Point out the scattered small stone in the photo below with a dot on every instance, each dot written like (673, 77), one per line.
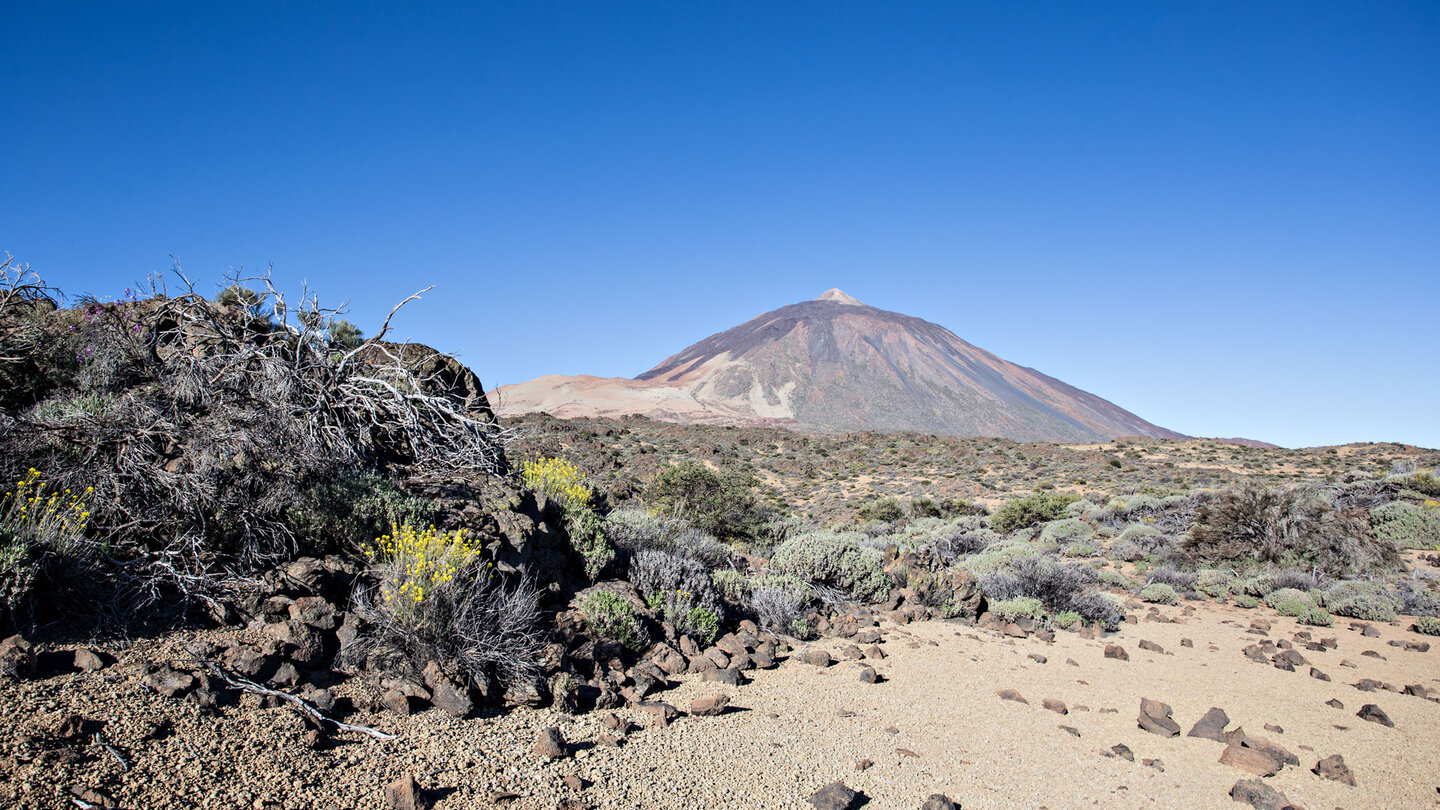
(906, 752)
(1334, 704)
(88, 660)
(1185, 642)
(1155, 718)
(1318, 675)
(1117, 652)
(868, 675)
(816, 657)
(1375, 714)
(405, 794)
(1057, 706)
(939, 801)
(1249, 759)
(834, 796)
(396, 701)
(1071, 730)
(1155, 763)
(1011, 694)
(1369, 631)
(549, 744)
(1274, 729)
(864, 765)
(709, 706)
(92, 797)
(1151, 646)
(1038, 658)
(891, 730)
(1211, 726)
(1123, 751)
(727, 676)
(1269, 749)
(1334, 768)
(1259, 795)
(169, 682)
(1071, 662)
(17, 658)
(663, 712)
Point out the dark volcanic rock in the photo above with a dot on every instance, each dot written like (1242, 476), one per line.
(834, 796)
(1258, 795)
(1334, 768)
(1375, 714)
(1155, 718)
(1211, 726)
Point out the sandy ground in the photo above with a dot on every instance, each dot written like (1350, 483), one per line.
(798, 727)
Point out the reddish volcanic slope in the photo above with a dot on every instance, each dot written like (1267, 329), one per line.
(836, 364)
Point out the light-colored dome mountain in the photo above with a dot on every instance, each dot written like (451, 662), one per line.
(837, 364)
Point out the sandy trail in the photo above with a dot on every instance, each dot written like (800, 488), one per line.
(799, 727)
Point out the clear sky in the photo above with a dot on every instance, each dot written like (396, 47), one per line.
(1222, 216)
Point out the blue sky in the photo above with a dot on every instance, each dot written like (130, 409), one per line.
(1222, 216)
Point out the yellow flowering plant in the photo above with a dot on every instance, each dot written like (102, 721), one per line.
(35, 519)
(415, 563)
(558, 478)
(563, 482)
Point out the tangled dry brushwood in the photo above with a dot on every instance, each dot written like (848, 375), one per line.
(198, 423)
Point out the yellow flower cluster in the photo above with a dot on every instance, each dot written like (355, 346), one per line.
(557, 478)
(424, 560)
(37, 513)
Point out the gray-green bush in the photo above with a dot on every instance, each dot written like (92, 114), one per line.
(836, 560)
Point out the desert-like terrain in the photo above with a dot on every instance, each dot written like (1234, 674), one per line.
(933, 723)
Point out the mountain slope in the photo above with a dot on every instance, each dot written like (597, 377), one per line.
(837, 364)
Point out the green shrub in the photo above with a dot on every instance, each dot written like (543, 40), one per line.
(1259, 586)
(1318, 617)
(1428, 625)
(801, 629)
(836, 560)
(703, 624)
(999, 555)
(885, 510)
(1059, 531)
(1080, 550)
(610, 616)
(1159, 593)
(1115, 579)
(1079, 508)
(1345, 589)
(732, 585)
(722, 504)
(1291, 596)
(1246, 601)
(1370, 607)
(1065, 619)
(1215, 583)
(959, 507)
(1020, 607)
(1294, 607)
(344, 513)
(1040, 507)
(1424, 482)
(1139, 534)
(1406, 525)
(587, 538)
